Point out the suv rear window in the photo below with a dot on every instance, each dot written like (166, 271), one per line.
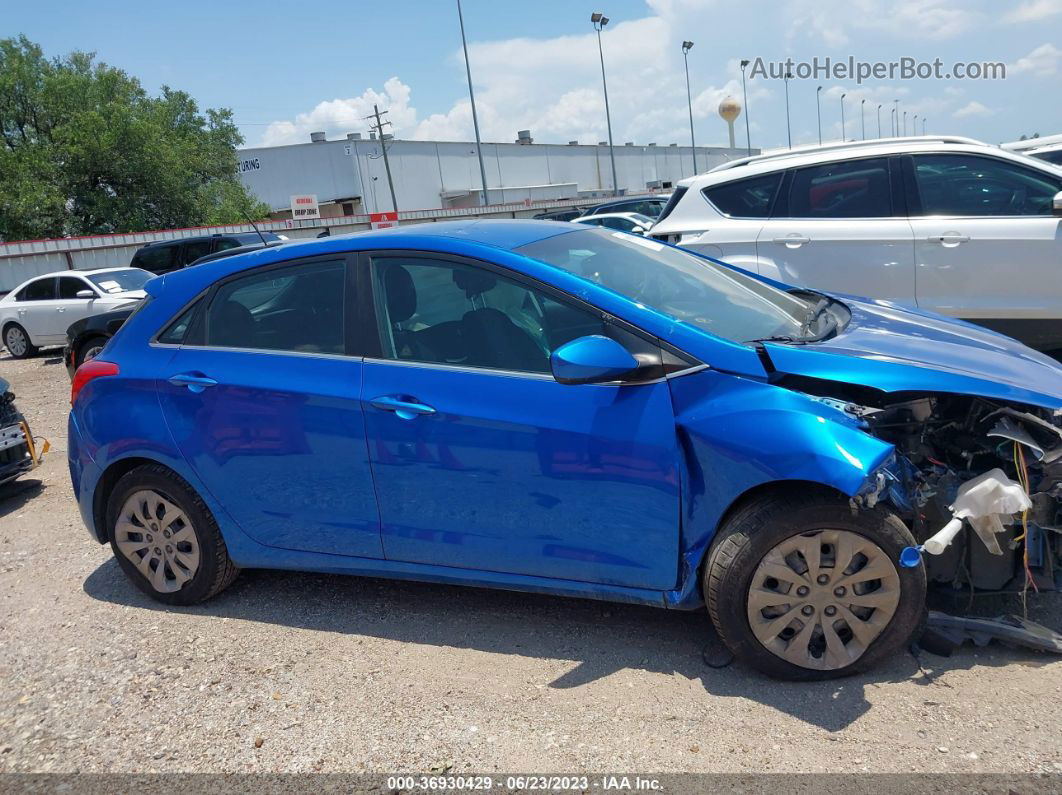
(746, 198)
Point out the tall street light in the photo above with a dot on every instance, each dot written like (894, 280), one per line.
(896, 113)
(914, 125)
(472, 98)
(818, 111)
(788, 126)
(844, 136)
(905, 122)
(879, 120)
(863, 118)
(686, 47)
(923, 125)
(599, 21)
(745, 102)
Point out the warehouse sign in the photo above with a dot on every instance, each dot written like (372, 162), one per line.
(383, 220)
(305, 207)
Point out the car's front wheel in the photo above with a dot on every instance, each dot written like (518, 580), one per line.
(165, 539)
(803, 587)
(17, 342)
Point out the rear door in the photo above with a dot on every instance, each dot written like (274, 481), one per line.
(262, 399)
(987, 245)
(35, 310)
(842, 227)
(483, 461)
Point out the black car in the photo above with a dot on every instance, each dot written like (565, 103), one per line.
(172, 255)
(86, 337)
(18, 452)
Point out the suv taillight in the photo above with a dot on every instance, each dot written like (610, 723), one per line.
(93, 368)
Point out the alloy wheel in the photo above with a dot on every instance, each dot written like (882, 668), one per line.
(159, 539)
(818, 600)
(15, 341)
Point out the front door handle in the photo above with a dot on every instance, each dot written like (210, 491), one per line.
(794, 240)
(406, 409)
(195, 382)
(60, 309)
(949, 238)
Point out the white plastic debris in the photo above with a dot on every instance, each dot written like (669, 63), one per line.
(982, 501)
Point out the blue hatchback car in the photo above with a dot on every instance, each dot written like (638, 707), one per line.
(546, 407)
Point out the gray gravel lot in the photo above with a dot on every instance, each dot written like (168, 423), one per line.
(302, 672)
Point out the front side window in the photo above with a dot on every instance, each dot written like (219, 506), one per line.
(451, 313)
(968, 185)
(849, 189)
(298, 308)
(40, 290)
(70, 286)
(691, 289)
(745, 198)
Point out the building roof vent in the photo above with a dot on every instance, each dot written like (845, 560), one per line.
(317, 137)
(372, 136)
(672, 144)
(629, 143)
(524, 137)
(573, 143)
(651, 144)
(602, 143)
(353, 136)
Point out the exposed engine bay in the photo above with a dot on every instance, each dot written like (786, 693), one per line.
(979, 482)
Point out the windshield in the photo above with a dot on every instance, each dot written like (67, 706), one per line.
(688, 288)
(120, 281)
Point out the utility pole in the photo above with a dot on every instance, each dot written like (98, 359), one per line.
(379, 129)
(686, 46)
(472, 99)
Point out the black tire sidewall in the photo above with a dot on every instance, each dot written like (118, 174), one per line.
(207, 535)
(83, 348)
(752, 534)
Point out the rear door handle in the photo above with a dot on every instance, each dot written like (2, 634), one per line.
(195, 383)
(406, 409)
(949, 238)
(793, 240)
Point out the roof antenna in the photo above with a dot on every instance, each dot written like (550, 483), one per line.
(247, 217)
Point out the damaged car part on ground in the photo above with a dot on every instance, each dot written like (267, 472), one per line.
(20, 452)
(572, 411)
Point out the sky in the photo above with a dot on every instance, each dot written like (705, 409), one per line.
(287, 69)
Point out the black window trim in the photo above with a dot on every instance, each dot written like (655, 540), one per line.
(914, 196)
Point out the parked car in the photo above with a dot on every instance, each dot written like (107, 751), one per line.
(1052, 153)
(651, 206)
(170, 255)
(624, 222)
(567, 214)
(87, 337)
(19, 450)
(555, 408)
(37, 313)
(944, 224)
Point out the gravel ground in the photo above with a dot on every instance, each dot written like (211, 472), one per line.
(296, 672)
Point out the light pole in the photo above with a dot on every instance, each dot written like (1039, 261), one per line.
(923, 125)
(905, 122)
(879, 120)
(844, 137)
(472, 99)
(863, 118)
(896, 118)
(818, 111)
(599, 21)
(745, 102)
(686, 47)
(914, 125)
(788, 126)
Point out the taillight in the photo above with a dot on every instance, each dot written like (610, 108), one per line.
(93, 368)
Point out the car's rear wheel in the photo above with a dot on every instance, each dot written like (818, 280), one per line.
(17, 342)
(165, 539)
(89, 349)
(803, 587)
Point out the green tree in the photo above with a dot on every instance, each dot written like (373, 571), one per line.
(85, 150)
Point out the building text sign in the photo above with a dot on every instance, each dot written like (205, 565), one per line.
(305, 207)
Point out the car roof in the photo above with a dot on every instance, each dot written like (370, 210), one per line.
(194, 238)
(79, 272)
(596, 216)
(505, 234)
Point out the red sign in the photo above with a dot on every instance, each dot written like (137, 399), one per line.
(383, 220)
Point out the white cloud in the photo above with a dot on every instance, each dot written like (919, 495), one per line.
(1034, 11)
(971, 110)
(1044, 61)
(835, 21)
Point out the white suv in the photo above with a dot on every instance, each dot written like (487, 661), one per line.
(945, 224)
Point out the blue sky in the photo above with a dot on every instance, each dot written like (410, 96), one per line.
(286, 69)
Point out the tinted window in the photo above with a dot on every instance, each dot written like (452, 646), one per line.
(157, 259)
(449, 313)
(1051, 157)
(851, 189)
(227, 242)
(174, 335)
(297, 308)
(70, 286)
(977, 186)
(195, 250)
(40, 290)
(746, 198)
(674, 200)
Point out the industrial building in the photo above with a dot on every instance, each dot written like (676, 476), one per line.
(348, 176)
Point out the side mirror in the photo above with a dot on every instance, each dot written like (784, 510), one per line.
(1056, 204)
(591, 360)
(86, 294)
(639, 230)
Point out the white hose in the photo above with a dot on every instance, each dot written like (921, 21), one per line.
(937, 543)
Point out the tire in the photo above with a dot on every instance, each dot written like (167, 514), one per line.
(760, 545)
(178, 534)
(17, 342)
(89, 349)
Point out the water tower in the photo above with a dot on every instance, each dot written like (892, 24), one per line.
(730, 109)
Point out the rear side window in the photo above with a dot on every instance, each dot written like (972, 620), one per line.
(40, 290)
(298, 308)
(195, 250)
(178, 329)
(745, 198)
(157, 259)
(850, 189)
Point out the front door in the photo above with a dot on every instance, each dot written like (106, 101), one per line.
(838, 230)
(262, 400)
(483, 461)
